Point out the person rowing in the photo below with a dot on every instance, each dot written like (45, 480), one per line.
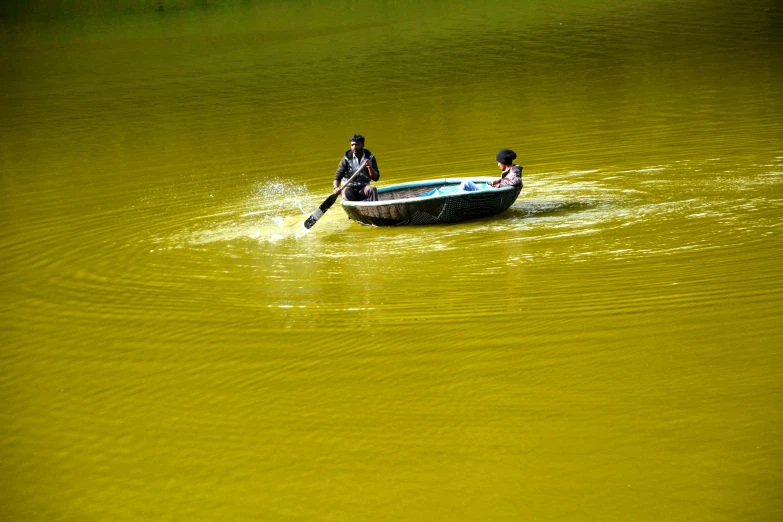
(358, 187)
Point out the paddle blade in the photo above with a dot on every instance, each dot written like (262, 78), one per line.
(315, 216)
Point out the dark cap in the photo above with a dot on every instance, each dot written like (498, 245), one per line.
(357, 138)
(506, 156)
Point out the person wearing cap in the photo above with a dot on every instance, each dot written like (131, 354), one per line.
(359, 189)
(511, 173)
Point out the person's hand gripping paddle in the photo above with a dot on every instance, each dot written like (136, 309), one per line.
(328, 202)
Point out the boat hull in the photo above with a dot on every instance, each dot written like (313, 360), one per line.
(405, 204)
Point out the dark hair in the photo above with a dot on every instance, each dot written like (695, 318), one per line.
(357, 138)
(506, 156)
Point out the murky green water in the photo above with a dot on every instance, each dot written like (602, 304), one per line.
(177, 347)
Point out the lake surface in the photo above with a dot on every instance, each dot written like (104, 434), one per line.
(176, 346)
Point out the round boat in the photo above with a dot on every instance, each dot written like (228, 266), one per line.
(431, 202)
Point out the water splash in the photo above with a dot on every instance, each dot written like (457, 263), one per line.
(272, 212)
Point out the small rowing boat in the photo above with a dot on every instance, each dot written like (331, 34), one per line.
(432, 202)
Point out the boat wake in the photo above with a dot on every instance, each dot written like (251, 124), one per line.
(545, 208)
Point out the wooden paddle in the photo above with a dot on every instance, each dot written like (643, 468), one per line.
(328, 202)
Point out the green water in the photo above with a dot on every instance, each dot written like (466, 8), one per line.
(176, 346)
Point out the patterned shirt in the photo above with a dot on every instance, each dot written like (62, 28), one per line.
(511, 177)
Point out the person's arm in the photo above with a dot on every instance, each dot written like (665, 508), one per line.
(375, 174)
(339, 175)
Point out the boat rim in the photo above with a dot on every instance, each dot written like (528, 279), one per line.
(426, 183)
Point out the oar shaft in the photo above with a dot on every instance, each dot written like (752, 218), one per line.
(353, 176)
(328, 202)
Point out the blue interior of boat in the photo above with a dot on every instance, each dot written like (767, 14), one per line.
(453, 189)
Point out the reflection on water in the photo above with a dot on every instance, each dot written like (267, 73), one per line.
(177, 345)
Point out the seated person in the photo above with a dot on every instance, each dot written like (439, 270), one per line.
(359, 189)
(511, 173)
